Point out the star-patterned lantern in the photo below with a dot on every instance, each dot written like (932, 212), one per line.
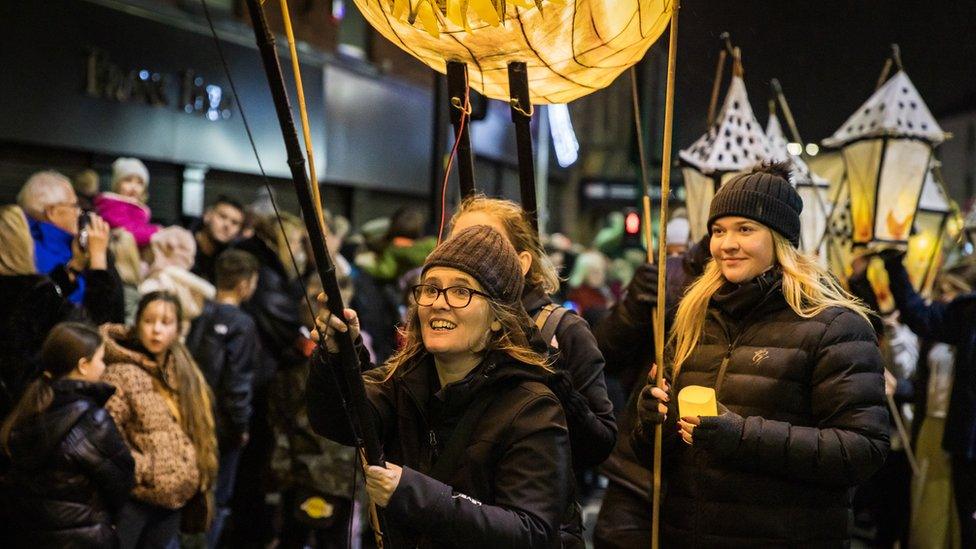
(734, 143)
(813, 189)
(925, 244)
(887, 145)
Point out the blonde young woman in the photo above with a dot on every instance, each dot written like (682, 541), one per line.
(798, 376)
(477, 446)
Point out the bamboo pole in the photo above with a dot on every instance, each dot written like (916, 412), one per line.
(646, 199)
(303, 111)
(661, 279)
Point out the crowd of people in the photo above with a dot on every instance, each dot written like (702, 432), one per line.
(175, 386)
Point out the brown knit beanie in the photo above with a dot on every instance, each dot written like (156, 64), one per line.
(487, 256)
(764, 195)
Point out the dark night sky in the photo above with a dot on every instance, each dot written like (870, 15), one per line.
(827, 55)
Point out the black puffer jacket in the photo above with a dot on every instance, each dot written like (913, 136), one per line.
(512, 483)
(807, 423)
(275, 308)
(70, 471)
(592, 428)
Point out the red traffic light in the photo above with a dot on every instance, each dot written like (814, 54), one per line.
(632, 223)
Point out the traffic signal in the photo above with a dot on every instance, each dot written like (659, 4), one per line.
(632, 229)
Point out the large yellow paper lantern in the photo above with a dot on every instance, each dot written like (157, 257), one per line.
(925, 244)
(735, 143)
(887, 145)
(571, 48)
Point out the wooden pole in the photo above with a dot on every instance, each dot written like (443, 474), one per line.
(662, 257)
(646, 184)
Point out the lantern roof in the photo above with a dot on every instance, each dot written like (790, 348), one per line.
(779, 153)
(933, 197)
(896, 110)
(735, 141)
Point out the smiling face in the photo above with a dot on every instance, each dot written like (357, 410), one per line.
(158, 326)
(451, 332)
(743, 248)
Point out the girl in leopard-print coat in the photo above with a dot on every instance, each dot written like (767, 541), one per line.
(162, 407)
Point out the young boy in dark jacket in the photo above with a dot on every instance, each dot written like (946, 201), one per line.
(70, 471)
(223, 341)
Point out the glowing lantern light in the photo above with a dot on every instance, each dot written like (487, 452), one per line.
(733, 144)
(887, 145)
(571, 48)
(925, 245)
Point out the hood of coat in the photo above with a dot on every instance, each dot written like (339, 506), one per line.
(122, 347)
(35, 440)
(533, 299)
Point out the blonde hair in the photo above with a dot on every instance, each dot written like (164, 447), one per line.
(518, 229)
(808, 288)
(512, 339)
(123, 246)
(16, 243)
(267, 229)
(586, 263)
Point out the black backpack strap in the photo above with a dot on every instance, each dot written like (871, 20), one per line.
(448, 461)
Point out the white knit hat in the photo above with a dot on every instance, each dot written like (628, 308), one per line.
(679, 231)
(124, 167)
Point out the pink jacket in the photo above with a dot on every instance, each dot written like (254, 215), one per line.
(127, 213)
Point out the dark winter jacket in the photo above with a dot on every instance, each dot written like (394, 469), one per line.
(806, 422)
(71, 471)
(953, 323)
(224, 342)
(592, 428)
(511, 485)
(625, 338)
(275, 308)
(30, 305)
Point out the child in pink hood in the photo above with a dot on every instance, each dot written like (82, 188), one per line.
(125, 206)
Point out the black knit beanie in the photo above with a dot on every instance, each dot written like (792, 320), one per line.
(766, 196)
(485, 255)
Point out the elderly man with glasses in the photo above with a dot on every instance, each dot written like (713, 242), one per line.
(53, 215)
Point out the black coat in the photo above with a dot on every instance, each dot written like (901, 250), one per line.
(30, 305)
(224, 343)
(953, 323)
(70, 471)
(513, 482)
(592, 429)
(811, 393)
(275, 308)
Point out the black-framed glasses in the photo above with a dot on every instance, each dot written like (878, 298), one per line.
(457, 297)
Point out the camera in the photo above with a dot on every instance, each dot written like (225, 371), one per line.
(83, 221)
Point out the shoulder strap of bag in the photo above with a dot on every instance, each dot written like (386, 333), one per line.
(548, 319)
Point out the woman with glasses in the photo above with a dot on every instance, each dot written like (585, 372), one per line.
(477, 446)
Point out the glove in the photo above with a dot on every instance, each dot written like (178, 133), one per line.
(641, 295)
(719, 434)
(574, 404)
(892, 256)
(648, 405)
